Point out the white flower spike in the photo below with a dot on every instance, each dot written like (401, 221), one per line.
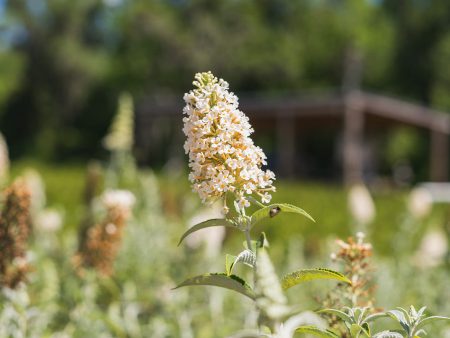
(222, 156)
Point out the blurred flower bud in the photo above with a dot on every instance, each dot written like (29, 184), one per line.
(432, 250)
(49, 220)
(420, 203)
(4, 160)
(360, 204)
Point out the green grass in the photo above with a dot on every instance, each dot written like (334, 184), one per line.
(325, 202)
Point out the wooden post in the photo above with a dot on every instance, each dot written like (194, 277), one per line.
(439, 156)
(285, 133)
(353, 139)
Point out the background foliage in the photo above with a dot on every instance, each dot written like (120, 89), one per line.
(64, 62)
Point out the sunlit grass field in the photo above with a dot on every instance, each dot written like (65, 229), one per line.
(327, 204)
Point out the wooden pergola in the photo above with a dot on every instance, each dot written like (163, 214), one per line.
(351, 111)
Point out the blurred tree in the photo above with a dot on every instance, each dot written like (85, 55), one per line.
(441, 86)
(63, 62)
(11, 62)
(68, 60)
(419, 26)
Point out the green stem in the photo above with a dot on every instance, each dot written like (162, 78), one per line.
(258, 203)
(249, 239)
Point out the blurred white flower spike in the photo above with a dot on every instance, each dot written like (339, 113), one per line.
(120, 136)
(222, 156)
(361, 204)
(4, 160)
(123, 199)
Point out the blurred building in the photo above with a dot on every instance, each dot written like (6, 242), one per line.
(340, 124)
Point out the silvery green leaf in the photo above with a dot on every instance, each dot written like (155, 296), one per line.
(413, 311)
(366, 329)
(274, 210)
(267, 282)
(419, 333)
(314, 331)
(375, 316)
(361, 313)
(207, 224)
(388, 334)
(345, 317)
(247, 257)
(355, 330)
(232, 282)
(421, 311)
(406, 313)
(249, 334)
(400, 317)
(430, 320)
(307, 275)
(229, 262)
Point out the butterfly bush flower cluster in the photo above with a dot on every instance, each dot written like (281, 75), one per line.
(222, 156)
(355, 256)
(15, 226)
(99, 248)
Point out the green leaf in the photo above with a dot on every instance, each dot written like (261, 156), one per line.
(306, 275)
(355, 329)
(262, 241)
(366, 329)
(421, 311)
(250, 334)
(345, 317)
(399, 316)
(359, 313)
(207, 224)
(406, 313)
(315, 331)
(246, 257)
(229, 263)
(275, 209)
(231, 282)
(375, 316)
(430, 320)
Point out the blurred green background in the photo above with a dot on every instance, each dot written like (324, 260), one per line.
(63, 63)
